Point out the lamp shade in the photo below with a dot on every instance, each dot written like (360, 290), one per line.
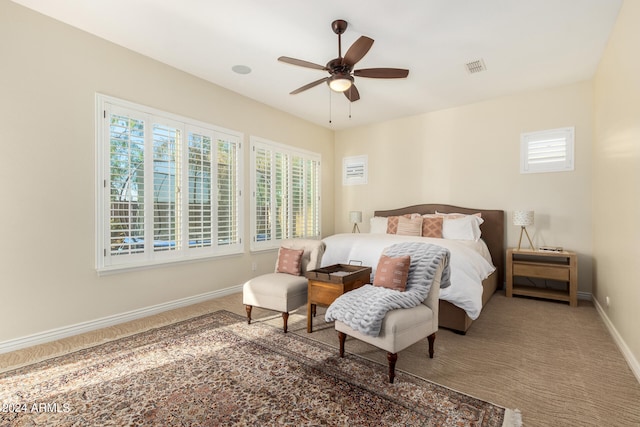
(340, 82)
(355, 216)
(523, 218)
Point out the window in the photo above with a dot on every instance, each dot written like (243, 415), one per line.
(547, 151)
(285, 189)
(168, 187)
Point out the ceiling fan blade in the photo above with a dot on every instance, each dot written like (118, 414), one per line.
(357, 51)
(352, 93)
(301, 63)
(309, 86)
(382, 73)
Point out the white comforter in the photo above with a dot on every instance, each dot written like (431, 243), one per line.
(470, 262)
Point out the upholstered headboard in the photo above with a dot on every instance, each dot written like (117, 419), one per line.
(492, 228)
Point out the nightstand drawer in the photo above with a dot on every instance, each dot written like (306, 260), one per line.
(545, 271)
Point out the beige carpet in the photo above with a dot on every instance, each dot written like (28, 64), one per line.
(557, 364)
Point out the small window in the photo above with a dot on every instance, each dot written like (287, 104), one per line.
(547, 151)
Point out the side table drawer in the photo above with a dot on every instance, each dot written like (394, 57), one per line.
(546, 271)
(323, 293)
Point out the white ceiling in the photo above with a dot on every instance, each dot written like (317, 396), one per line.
(525, 44)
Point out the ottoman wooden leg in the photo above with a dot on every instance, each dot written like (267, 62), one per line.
(431, 339)
(248, 308)
(392, 358)
(342, 337)
(285, 318)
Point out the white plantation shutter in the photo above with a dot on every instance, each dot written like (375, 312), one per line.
(214, 192)
(312, 200)
(228, 200)
(305, 206)
(169, 187)
(199, 194)
(298, 206)
(166, 200)
(271, 194)
(126, 184)
(285, 194)
(262, 193)
(282, 188)
(547, 151)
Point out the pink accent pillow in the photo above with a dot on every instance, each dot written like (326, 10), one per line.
(432, 226)
(392, 273)
(289, 261)
(392, 223)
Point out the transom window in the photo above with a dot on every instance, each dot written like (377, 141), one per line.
(168, 187)
(547, 151)
(285, 194)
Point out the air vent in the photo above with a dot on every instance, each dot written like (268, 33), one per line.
(476, 66)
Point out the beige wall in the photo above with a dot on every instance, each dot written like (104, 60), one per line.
(616, 178)
(469, 156)
(50, 73)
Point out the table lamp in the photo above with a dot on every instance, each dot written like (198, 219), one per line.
(355, 217)
(523, 218)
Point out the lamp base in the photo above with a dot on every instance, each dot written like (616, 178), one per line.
(524, 229)
(355, 229)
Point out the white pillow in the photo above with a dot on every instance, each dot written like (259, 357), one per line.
(456, 215)
(465, 228)
(378, 225)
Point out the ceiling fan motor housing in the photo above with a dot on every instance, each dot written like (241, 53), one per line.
(336, 66)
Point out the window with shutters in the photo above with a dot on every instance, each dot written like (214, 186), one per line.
(547, 151)
(285, 194)
(168, 187)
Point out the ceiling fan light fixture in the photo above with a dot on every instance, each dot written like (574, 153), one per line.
(340, 82)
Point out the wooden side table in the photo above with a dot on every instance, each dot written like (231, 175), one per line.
(559, 266)
(328, 283)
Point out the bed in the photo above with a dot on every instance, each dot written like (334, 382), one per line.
(462, 301)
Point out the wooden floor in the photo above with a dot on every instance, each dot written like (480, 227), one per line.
(557, 364)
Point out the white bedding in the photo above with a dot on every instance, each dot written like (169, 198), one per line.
(470, 262)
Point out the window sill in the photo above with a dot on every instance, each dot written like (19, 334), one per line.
(127, 268)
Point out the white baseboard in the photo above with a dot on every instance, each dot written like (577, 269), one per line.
(92, 325)
(626, 352)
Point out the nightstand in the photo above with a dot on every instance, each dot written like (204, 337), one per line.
(557, 266)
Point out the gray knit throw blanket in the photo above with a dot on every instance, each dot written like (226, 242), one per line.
(364, 308)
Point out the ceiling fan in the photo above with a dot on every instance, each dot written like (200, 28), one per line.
(341, 68)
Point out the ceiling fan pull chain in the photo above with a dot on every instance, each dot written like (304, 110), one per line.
(330, 105)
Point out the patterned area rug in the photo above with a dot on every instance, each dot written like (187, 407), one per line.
(217, 370)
